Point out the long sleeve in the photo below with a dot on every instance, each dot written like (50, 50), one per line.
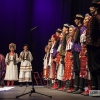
(30, 56)
(6, 59)
(54, 52)
(17, 60)
(20, 57)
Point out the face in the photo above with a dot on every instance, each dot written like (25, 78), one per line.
(71, 31)
(45, 49)
(52, 38)
(76, 21)
(57, 34)
(65, 30)
(49, 46)
(86, 20)
(12, 49)
(25, 48)
(92, 10)
(49, 42)
(61, 36)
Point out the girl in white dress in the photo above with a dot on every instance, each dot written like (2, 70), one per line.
(25, 67)
(11, 65)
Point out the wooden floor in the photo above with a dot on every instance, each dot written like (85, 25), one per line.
(56, 95)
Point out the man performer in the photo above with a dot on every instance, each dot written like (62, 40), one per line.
(93, 46)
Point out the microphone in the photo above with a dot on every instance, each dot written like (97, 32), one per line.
(34, 28)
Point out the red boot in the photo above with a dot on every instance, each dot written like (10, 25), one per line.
(72, 87)
(61, 89)
(62, 86)
(12, 83)
(86, 93)
(54, 86)
(8, 83)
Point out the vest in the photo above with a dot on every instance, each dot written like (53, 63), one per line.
(14, 59)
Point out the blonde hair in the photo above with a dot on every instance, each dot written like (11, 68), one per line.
(12, 45)
(72, 26)
(87, 15)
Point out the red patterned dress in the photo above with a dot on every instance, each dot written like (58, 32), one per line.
(83, 62)
(83, 57)
(51, 64)
(68, 71)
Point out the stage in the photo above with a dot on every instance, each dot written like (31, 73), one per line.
(56, 95)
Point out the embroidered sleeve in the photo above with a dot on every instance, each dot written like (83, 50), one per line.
(30, 56)
(6, 59)
(17, 60)
(83, 35)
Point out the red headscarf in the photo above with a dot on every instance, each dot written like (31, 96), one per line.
(55, 36)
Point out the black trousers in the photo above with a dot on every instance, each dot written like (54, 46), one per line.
(76, 67)
(93, 54)
(76, 62)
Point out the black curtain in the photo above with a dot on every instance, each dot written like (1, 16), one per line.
(79, 7)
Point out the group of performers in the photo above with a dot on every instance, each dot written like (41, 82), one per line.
(9, 68)
(72, 55)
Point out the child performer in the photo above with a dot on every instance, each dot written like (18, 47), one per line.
(11, 65)
(25, 67)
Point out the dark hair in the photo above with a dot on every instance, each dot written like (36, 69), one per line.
(25, 45)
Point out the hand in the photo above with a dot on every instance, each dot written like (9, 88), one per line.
(71, 57)
(62, 60)
(20, 56)
(7, 64)
(55, 59)
(18, 59)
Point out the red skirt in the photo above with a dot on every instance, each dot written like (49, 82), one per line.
(58, 59)
(68, 66)
(83, 62)
(52, 71)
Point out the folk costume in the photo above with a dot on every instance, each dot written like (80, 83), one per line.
(11, 66)
(45, 64)
(84, 70)
(68, 71)
(93, 47)
(25, 67)
(57, 58)
(62, 54)
(78, 82)
(52, 64)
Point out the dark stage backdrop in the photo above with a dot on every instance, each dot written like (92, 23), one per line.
(17, 17)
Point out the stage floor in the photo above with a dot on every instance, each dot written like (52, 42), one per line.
(56, 95)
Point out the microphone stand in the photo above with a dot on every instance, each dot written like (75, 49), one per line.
(32, 73)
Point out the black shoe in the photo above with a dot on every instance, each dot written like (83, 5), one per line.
(79, 91)
(75, 89)
(68, 85)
